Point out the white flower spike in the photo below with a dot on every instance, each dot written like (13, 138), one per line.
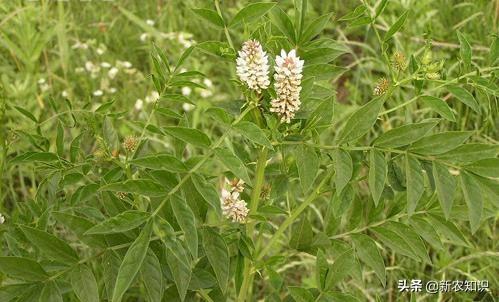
(288, 75)
(252, 66)
(232, 207)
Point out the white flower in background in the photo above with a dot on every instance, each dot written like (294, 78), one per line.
(98, 92)
(64, 93)
(186, 91)
(208, 83)
(130, 70)
(143, 37)
(205, 93)
(252, 66)
(2, 218)
(42, 84)
(79, 45)
(105, 65)
(232, 207)
(150, 22)
(100, 51)
(89, 66)
(139, 104)
(79, 70)
(112, 72)
(185, 39)
(287, 84)
(112, 90)
(153, 97)
(187, 107)
(124, 64)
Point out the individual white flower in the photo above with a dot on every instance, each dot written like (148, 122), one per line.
(153, 97)
(143, 37)
(185, 39)
(150, 22)
(232, 207)
(89, 66)
(98, 92)
(208, 83)
(186, 91)
(124, 64)
(130, 70)
(235, 185)
(79, 70)
(79, 45)
(287, 84)
(41, 81)
(2, 218)
(187, 107)
(100, 51)
(112, 90)
(44, 87)
(139, 104)
(205, 93)
(112, 72)
(252, 66)
(65, 94)
(105, 65)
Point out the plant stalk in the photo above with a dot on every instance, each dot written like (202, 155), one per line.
(246, 286)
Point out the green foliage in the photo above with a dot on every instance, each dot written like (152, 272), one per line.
(137, 164)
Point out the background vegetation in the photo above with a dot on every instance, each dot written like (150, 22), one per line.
(358, 192)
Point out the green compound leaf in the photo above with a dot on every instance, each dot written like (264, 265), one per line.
(22, 268)
(361, 121)
(343, 167)
(218, 255)
(251, 12)
(441, 107)
(404, 135)
(132, 262)
(446, 187)
(51, 246)
(122, 222)
(414, 182)
(368, 252)
(465, 97)
(84, 284)
(395, 27)
(377, 174)
(189, 135)
(474, 199)
(440, 142)
(187, 222)
(307, 163)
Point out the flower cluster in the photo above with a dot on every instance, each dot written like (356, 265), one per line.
(182, 38)
(381, 87)
(399, 61)
(252, 66)
(232, 206)
(288, 74)
(253, 69)
(130, 143)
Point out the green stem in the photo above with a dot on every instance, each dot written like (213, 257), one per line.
(435, 88)
(294, 215)
(226, 30)
(200, 163)
(250, 227)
